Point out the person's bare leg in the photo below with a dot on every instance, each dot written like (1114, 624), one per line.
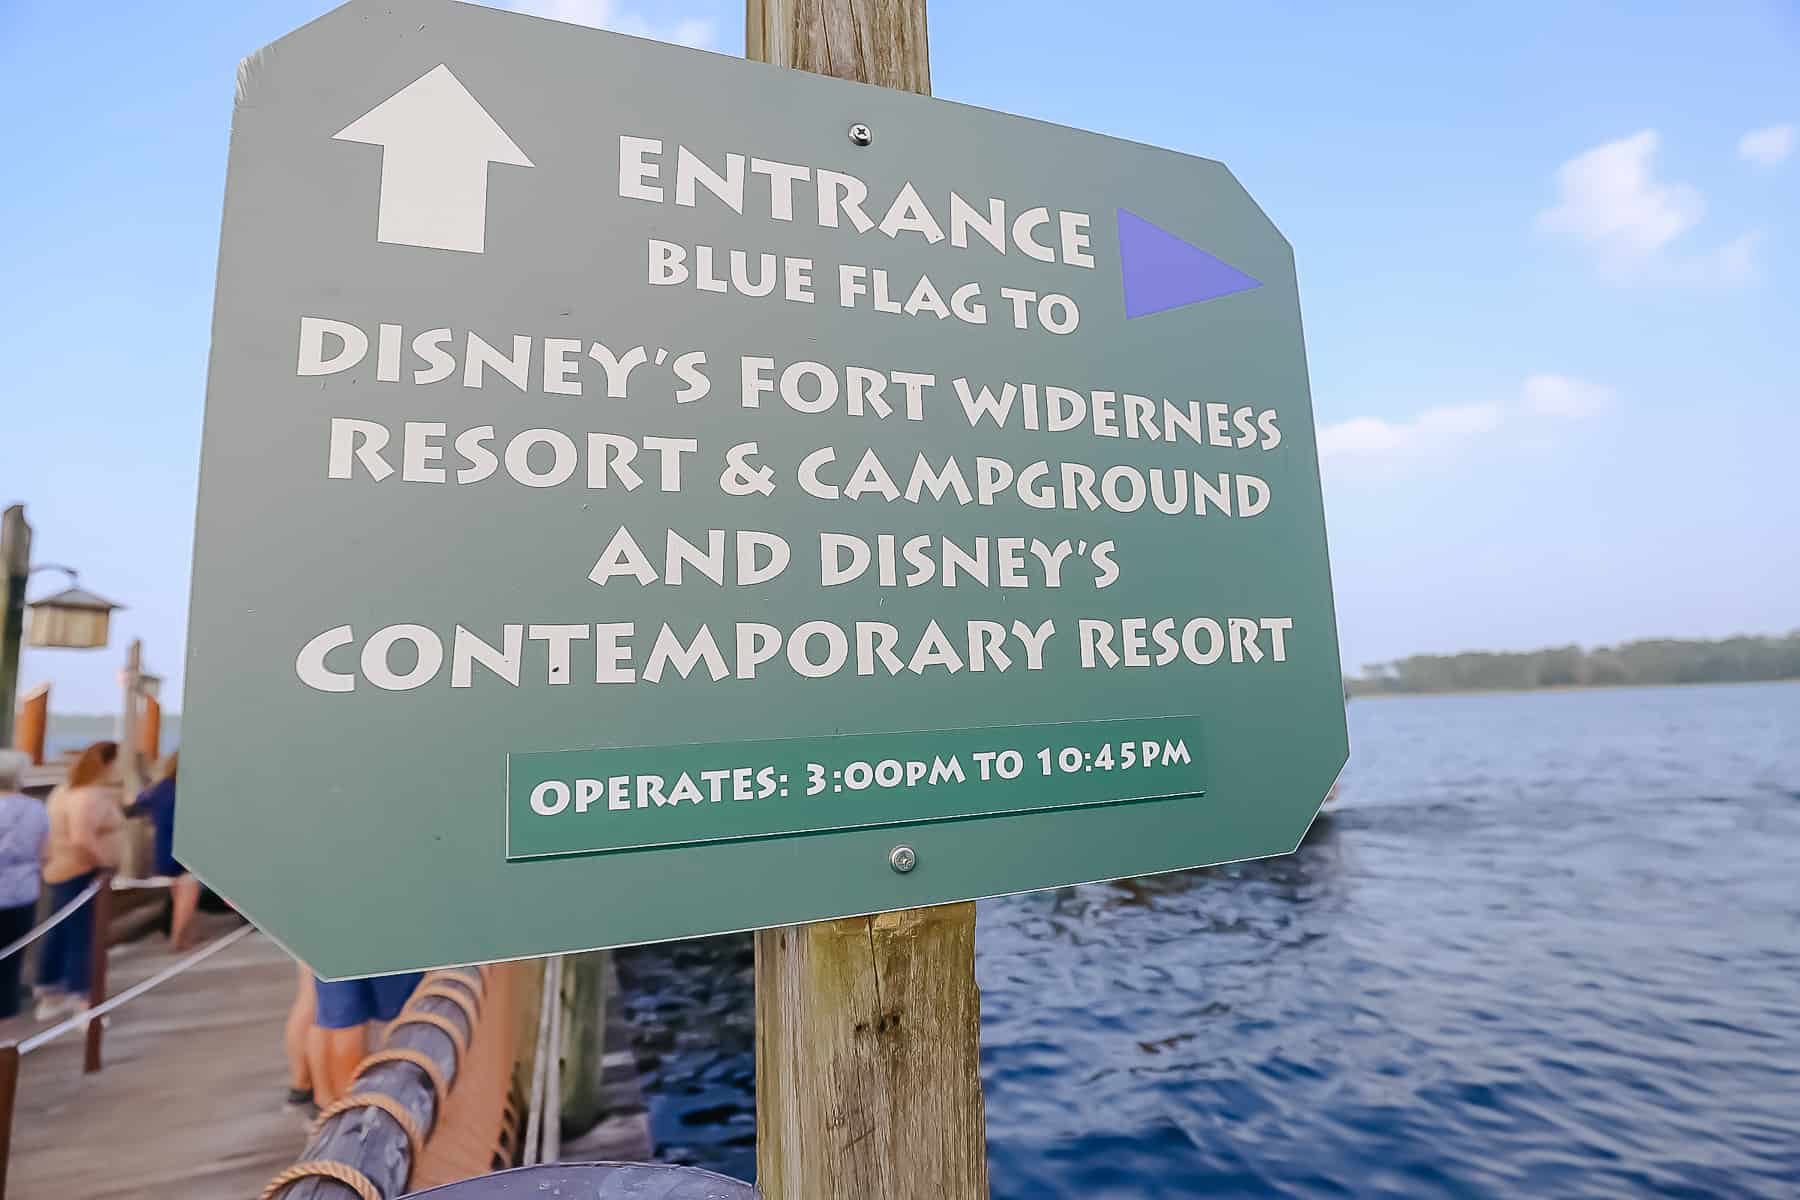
(319, 1066)
(293, 1037)
(185, 895)
(341, 1051)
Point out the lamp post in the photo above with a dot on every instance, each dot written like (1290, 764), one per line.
(71, 619)
(15, 565)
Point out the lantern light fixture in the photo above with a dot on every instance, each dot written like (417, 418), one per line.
(72, 619)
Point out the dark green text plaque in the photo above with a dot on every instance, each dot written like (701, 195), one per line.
(640, 797)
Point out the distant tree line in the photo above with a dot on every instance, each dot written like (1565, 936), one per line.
(1652, 661)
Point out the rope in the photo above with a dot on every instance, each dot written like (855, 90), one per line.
(349, 1176)
(476, 982)
(439, 1086)
(387, 1104)
(56, 918)
(145, 883)
(80, 1019)
(458, 998)
(477, 987)
(451, 1029)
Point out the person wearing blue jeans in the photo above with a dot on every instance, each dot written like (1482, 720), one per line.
(68, 954)
(345, 1009)
(24, 829)
(85, 823)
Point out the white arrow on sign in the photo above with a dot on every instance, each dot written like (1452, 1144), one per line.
(437, 142)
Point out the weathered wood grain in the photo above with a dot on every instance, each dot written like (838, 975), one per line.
(871, 41)
(868, 1030)
(868, 1058)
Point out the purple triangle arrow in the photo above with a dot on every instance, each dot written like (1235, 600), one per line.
(1163, 271)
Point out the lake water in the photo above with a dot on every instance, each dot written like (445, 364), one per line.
(1545, 945)
(73, 733)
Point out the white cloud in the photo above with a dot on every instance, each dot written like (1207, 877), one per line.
(1434, 429)
(608, 14)
(1610, 196)
(1564, 396)
(1732, 263)
(1611, 199)
(1440, 431)
(1767, 147)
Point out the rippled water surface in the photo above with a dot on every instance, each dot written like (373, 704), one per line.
(1545, 945)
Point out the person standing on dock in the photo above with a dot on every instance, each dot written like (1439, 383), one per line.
(346, 1010)
(297, 1040)
(24, 829)
(86, 820)
(158, 803)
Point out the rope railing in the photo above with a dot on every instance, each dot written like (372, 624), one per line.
(82, 1018)
(369, 1143)
(87, 893)
(90, 1017)
(53, 920)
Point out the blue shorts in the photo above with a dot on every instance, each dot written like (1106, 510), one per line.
(352, 1002)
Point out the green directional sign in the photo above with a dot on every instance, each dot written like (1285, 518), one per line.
(648, 494)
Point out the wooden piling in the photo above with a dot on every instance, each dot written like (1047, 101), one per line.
(131, 769)
(150, 731)
(870, 41)
(868, 1030)
(32, 726)
(15, 569)
(868, 1058)
(102, 935)
(9, 1093)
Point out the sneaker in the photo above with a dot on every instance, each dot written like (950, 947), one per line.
(54, 1005)
(298, 1096)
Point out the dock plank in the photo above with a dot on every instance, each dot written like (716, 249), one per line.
(190, 1100)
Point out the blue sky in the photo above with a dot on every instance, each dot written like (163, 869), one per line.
(1548, 258)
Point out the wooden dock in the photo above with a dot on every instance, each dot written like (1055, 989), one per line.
(191, 1098)
(190, 1102)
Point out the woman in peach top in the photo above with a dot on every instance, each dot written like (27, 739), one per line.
(85, 823)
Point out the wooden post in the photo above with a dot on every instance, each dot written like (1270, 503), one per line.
(103, 906)
(32, 726)
(870, 41)
(15, 568)
(130, 772)
(150, 732)
(584, 1039)
(868, 1058)
(9, 1092)
(868, 1030)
